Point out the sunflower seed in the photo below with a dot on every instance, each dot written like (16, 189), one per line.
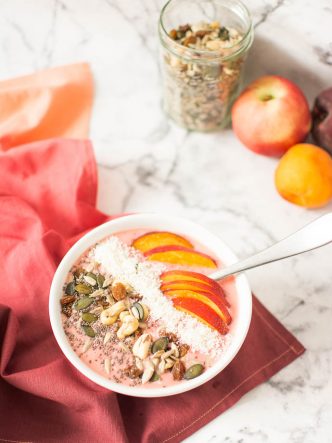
(107, 365)
(107, 337)
(148, 372)
(97, 293)
(91, 281)
(87, 345)
(107, 282)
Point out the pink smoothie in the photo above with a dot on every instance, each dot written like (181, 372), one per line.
(113, 358)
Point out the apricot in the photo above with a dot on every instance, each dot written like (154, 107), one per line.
(304, 176)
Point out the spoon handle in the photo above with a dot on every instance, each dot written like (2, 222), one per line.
(314, 235)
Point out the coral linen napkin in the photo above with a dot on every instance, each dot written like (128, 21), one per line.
(47, 200)
(51, 103)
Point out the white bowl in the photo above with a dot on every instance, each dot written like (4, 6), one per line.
(240, 323)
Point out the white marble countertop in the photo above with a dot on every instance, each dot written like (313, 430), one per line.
(147, 163)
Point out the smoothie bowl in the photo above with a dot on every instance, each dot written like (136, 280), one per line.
(133, 308)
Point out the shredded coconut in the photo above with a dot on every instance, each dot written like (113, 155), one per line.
(128, 265)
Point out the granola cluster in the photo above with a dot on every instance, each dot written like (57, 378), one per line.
(198, 92)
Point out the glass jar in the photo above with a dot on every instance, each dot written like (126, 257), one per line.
(201, 79)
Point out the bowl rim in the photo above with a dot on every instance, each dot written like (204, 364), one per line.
(158, 221)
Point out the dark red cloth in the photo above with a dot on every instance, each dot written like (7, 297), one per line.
(47, 200)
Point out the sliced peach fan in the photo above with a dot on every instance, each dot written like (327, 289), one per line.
(202, 312)
(213, 301)
(194, 286)
(180, 256)
(155, 239)
(170, 276)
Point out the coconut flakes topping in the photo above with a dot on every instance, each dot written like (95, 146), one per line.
(129, 266)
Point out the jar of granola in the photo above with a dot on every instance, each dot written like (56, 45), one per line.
(204, 44)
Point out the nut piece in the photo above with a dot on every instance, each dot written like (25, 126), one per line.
(139, 364)
(169, 363)
(118, 307)
(148, 371)
(167, 354)
(175, 350)
(118, 291)
(141, 347)
(133, 371)
(178, 370)
(67, 299)
(183, 349)
(129, 325)
(107, 318)
(161, 367)
(123, 314)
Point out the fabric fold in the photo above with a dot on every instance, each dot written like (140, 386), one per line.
(47, 201)
(54, 102)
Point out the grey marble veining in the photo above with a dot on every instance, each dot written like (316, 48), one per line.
(147, 163)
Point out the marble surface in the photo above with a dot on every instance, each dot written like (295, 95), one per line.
(146, 163)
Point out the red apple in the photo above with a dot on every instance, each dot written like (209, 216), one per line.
(271, 115)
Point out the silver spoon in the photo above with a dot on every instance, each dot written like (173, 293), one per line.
(314, 235)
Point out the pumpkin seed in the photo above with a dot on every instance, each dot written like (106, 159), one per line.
(137, 311)
(83, 289)
(160, 345)
(88, 331)
(155, 377)
(83, 303)
(88, 317)
(100, 280)
(70, 288)
(194, 371)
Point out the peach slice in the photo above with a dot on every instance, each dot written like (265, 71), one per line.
(155, 239)
(179, 255)
(194, 286)
(179, 274)
(212, 300)
(201, 311)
